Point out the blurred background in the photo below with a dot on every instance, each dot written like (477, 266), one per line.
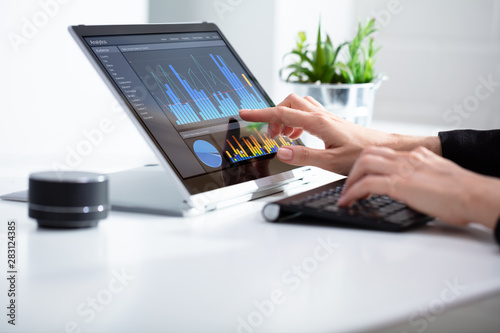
(442, 58)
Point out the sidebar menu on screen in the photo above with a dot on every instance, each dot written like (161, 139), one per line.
(148, 110)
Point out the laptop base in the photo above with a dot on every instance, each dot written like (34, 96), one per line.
(146, 189)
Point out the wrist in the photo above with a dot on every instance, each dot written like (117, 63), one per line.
(409, 142)
(485, 201)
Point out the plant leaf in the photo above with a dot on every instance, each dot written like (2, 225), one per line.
(320, 53)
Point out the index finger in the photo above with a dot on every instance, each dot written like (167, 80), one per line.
(283, 115)
(294, 101)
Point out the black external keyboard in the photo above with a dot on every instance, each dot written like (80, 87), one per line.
(376, 212)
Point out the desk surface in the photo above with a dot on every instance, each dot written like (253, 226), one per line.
(228, 270)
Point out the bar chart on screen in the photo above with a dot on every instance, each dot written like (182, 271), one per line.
(254, 146)
(205, 90)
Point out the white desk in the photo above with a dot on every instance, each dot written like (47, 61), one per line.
(204, 274)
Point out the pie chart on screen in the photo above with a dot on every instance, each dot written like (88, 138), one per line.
(207, 153)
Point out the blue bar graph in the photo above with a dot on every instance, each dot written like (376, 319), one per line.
(190, 104)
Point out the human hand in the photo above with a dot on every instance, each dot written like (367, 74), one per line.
(426, 182)
(343, 140)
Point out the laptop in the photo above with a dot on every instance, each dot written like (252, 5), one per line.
(182, 86)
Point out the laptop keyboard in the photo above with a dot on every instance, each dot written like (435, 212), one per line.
(375, 212)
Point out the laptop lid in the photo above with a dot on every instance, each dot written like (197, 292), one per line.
(182, 85)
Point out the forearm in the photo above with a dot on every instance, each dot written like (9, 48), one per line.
(409, 142)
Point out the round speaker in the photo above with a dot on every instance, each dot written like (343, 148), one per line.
(69, 199)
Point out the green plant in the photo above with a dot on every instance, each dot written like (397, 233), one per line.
(322, 65)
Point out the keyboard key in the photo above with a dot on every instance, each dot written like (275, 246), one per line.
(314, 204)
(401, 217)
(332, 208)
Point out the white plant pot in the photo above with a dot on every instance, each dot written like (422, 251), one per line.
(353, 102)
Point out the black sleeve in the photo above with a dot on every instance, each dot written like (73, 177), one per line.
(478, 151)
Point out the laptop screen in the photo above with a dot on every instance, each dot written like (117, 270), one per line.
(186, 89)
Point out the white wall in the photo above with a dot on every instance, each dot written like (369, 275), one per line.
(50, 93)
(437, 54)
(261, 31)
